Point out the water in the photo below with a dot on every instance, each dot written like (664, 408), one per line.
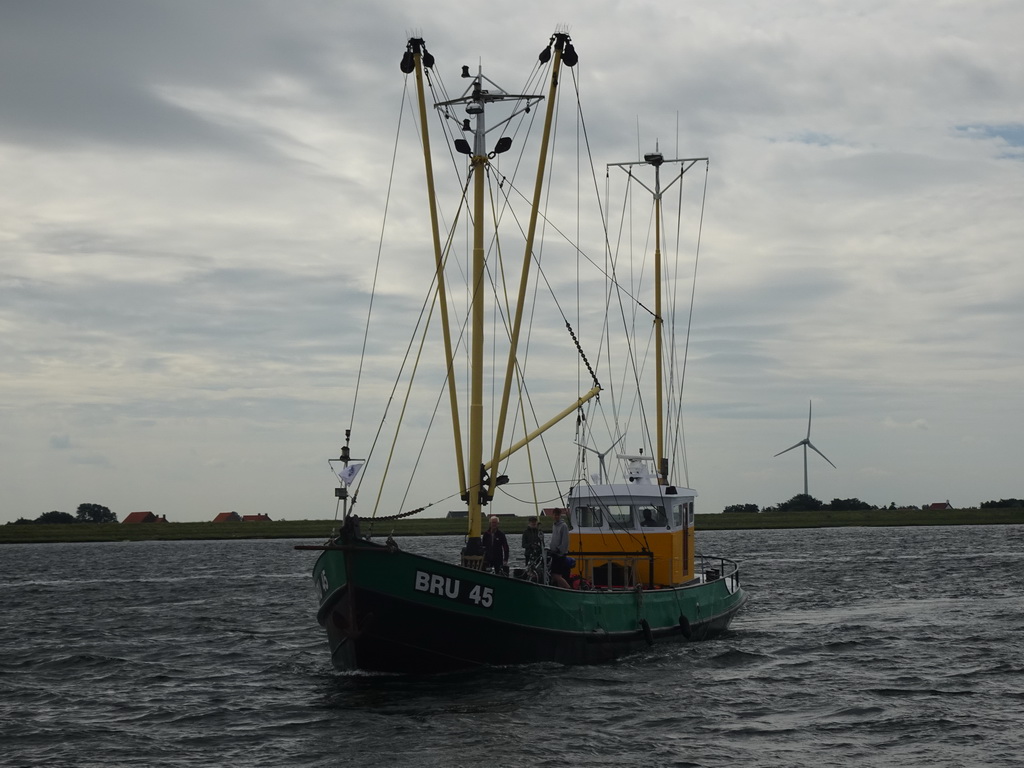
(859, 647)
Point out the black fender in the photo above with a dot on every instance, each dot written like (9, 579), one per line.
(646, 629)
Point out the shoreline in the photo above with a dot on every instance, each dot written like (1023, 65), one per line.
(35, 533)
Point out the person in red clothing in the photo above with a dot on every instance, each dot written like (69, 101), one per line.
(495, 548)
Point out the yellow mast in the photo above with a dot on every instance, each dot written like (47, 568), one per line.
(416, 47)
(476, 364)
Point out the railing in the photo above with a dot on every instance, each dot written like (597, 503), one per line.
(622, 569)
(713, 568)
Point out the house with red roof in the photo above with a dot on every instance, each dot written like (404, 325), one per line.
(939, 505)
(228, 517)
(144, 517)
(255, 518)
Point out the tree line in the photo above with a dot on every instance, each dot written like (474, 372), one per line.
(803, 502)
(86, 513)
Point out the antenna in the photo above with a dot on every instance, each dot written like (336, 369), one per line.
(806, 443)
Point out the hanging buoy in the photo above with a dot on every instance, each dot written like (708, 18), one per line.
(684, 626)
(648, 635)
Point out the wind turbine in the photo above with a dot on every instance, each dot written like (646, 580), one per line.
(806, 443)
(602, 475)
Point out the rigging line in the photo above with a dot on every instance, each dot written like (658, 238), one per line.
(528, 401)
(675, 403)
(693, 293)
(629, 328)
(579, 317)
(545, 219)
(674, 414)
(535, 502)
(524, 399)
(582, 127)
(492, 173)
(614, 290)
(427, 303)
(442, 391)
(679, 441)
(523, 396)
(337, 508)
(602, 270)
(380, 250)
(611, 291)
(547, 283)
(519, 362)
(615, 286)
(437, 403)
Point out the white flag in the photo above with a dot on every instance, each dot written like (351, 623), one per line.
(348, 474)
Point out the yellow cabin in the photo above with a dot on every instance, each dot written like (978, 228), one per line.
(635, 533)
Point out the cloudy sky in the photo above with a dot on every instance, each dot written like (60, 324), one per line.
(193, 191)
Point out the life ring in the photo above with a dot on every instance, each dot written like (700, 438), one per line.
(646, 628)
(684, 626)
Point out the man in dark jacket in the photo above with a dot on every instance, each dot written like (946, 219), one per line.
(495, 548)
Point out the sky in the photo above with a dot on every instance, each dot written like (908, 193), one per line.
(193, 197)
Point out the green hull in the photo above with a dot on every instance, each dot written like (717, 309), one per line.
(392, 611)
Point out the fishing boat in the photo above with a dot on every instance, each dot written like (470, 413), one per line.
(635, 579)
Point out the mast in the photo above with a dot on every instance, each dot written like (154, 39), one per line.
(480, 93)
(478, 162)
(656, 160)
(662, 467)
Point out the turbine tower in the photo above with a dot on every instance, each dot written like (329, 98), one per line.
(806, 443)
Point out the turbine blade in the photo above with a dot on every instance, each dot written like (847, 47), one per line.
(790, 448)
(808, 419)
(826, 458)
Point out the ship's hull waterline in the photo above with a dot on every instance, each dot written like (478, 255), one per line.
(386, 610)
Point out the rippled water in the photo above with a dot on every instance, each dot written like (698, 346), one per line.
(858, 647)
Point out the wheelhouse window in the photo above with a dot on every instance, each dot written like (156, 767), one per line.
(652, 516)
(620, 516)
(590, 517)
(626, 516)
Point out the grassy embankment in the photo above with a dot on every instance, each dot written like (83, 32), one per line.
(320, 529)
